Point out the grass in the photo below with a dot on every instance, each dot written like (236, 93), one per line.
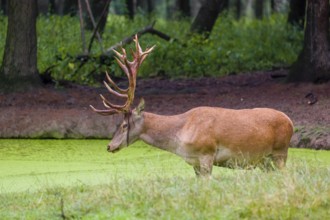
(78, 179)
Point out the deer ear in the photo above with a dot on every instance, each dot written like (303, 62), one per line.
(140, 108)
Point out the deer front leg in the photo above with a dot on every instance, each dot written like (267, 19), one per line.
(197, 169)
(204, 168)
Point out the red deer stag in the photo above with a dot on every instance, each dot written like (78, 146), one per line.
(203, 136)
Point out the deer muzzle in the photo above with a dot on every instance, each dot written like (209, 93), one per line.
(112, 149)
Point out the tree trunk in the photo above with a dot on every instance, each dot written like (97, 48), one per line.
(151, 7)
(238, 9)
(170, 9)
(70, 7)
(42, 7)
(52, 6)
(272, 5)
(206, 17)
(276, 5)
(145, 5)
(130, 8)
(225, 5)
(3, 7)
(184, 7)
(97, 7)
(19, 67)
(297, 13)
(259, 9)
(313, 62)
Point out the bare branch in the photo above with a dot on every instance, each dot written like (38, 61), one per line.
(82, 28)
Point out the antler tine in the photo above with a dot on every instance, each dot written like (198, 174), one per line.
(113, 91)
(113, 84)
(124, 66)
(109, 105)
(104, 112)
(123, 56)
(111, 108)
(146, 53)
(139, 54)
(138, 49)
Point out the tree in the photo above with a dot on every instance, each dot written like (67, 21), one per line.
(130, 8)
(52, 6)
(70, 7)
(297, 13)
(259, 9)
(19, 66)
(313, 62)
(207, 16)
(184, 7)
(276, 5)
(3, 7)
(238, 5)
(145, 5)
(273, 5)
(97, 8)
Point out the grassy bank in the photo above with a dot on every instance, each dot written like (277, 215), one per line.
(53, 179)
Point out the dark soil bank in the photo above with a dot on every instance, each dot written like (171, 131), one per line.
(64, 112)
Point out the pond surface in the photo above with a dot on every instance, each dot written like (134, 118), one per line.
(29, 165)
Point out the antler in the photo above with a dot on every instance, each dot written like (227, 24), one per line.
(130, 68)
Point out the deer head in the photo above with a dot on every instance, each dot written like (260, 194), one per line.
(132, 118)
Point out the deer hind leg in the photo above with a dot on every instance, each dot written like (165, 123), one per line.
(280, 153)
(272, 162)
(204, 168)
(279, 160)
(280, 148)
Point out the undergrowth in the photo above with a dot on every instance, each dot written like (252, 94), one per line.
(233, 47)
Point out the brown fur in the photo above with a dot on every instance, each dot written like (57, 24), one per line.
(207, 136)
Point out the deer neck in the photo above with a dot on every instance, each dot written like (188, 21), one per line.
(161, 131)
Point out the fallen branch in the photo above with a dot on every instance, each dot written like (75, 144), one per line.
(148, 29)
(161, 35)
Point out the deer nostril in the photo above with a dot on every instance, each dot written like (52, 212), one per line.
(109, 148)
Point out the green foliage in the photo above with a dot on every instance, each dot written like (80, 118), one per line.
(233, 47)
(254, 44)
(59, 42)
(78, 179)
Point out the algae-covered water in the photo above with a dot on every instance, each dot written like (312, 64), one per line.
(30, 165)
(37, 164)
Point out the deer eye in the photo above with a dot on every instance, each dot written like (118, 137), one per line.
(125, 126)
